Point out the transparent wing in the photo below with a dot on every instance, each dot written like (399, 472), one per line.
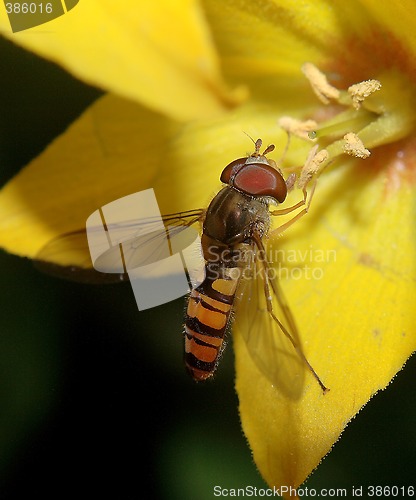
(113, 252)
(264, 320)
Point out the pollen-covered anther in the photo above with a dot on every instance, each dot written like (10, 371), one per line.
(298, 128)
(319, 83)
(360, 91)
(313, 165)
(354, 146)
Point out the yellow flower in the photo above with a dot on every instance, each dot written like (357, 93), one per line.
(198, 76)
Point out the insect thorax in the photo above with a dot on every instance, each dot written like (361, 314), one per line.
(231, 220)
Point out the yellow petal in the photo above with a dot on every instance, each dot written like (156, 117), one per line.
(262, 39)
(397, 18)
(265, 43)
(160, 54)
(355, 312)
(109, 152)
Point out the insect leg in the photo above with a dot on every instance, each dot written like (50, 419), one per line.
(314, 164)
(300, 214)
(270, 287)
(288, 210)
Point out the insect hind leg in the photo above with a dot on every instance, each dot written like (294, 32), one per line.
(270, 288)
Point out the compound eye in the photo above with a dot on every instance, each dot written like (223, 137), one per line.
(231, 170)
(258, 179)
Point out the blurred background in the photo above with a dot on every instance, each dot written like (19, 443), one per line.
(94, 399)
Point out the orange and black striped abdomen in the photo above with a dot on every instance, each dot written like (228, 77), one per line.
(206, 321)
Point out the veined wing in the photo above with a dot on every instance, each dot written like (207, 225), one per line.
(118, 247)
(267, 325)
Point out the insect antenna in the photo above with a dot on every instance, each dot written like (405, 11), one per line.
(258, 144)
(269, 149)
(251, 139)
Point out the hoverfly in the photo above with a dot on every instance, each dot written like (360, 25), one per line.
(237, 272)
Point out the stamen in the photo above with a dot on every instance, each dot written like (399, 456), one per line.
(313, 165)
(319, 84)
(361, 91)
(298, 128)
(370, 118)
(355, 147)
(344, 123)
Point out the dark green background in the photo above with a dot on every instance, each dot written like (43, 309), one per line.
(94, 400)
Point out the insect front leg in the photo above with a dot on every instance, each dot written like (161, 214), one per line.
(313, 165)
(288, 210)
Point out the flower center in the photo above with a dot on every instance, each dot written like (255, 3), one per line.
(367, 115)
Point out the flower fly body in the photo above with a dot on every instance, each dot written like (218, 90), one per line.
(235, 224)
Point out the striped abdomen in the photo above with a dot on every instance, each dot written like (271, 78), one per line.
(207, 318)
